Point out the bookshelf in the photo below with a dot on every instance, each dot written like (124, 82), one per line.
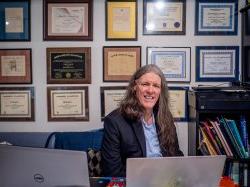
(210, 103)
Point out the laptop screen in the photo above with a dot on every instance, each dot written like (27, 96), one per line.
(192, 171)
(32, 167)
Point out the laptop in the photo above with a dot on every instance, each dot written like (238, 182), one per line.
(39, 167)
(188, 171)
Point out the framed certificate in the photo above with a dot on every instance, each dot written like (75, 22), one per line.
(17, 104)
(15, 20)
(217, 63)
(68, 103)
(120, 62)
(173, 61)
(121, 19)
(15, 66)
(68, 20)
(216, 17)
(178, 103)
(111, 97)
(70, 65)
(166, 17)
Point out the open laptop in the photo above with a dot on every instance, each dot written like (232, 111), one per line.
(189, 171)
(39, 167)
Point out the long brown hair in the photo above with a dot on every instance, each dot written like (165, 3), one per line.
(131, 108)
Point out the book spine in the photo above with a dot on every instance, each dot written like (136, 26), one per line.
(244, 134)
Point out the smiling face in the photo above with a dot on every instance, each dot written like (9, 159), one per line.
(148, 89)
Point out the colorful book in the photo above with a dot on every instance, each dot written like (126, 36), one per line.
(206, 141)
(235, 133)
(216, 137)
(211, 136)
(244, 133)
(230, 140)
(224, 143)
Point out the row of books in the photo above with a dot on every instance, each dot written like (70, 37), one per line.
(223, 136)
(238, 172)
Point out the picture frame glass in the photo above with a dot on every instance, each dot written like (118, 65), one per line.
(111, 97)
(70, 65)
(121, 20)
(120, 62)
(217, 63)
(67, 20)
(216, 18)
(68, 103)
(175, 62)
(15, 22)
(164, 17)
(17, 104)
(178, 103)
(15, 66)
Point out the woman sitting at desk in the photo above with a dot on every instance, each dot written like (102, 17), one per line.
(142, 126)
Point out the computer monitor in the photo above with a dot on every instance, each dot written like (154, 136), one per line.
(40, 167)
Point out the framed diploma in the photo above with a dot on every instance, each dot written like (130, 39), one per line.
(120, 62)
(111, 97)
(217, 63)
(68, 103)
(173, 61)
(178, 103)
(216, 17)
(70, 65)
(15, 20)
(165, 17)
(17, 104)
(121, 19)
(68, 20)
(15, 66)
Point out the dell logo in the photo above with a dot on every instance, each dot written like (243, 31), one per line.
(38, 178)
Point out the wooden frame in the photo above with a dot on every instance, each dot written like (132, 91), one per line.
(216, 17)
(175, 62)
(68, 103)
(69, 65)
(17, 104)
(165, 17)
(120, 62)
(15, 20)
(68, 20)
(110, 98)
(15, 66)
(121, 19)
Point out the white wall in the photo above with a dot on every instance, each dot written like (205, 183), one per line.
(39, 65)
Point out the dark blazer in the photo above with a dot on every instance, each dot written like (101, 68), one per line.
(123, 138)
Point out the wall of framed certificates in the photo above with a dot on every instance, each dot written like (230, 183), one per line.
(84, 62)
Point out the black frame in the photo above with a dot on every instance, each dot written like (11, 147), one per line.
(183, 30)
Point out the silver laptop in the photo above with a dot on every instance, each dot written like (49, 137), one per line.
(189, 171)
(38, 167)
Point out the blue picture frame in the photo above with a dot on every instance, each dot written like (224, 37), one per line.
(175, 62)
(21, 17)
(216, 17)
(217, 63)
(182, 102)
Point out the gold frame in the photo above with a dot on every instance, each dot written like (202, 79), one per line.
(125, 30)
